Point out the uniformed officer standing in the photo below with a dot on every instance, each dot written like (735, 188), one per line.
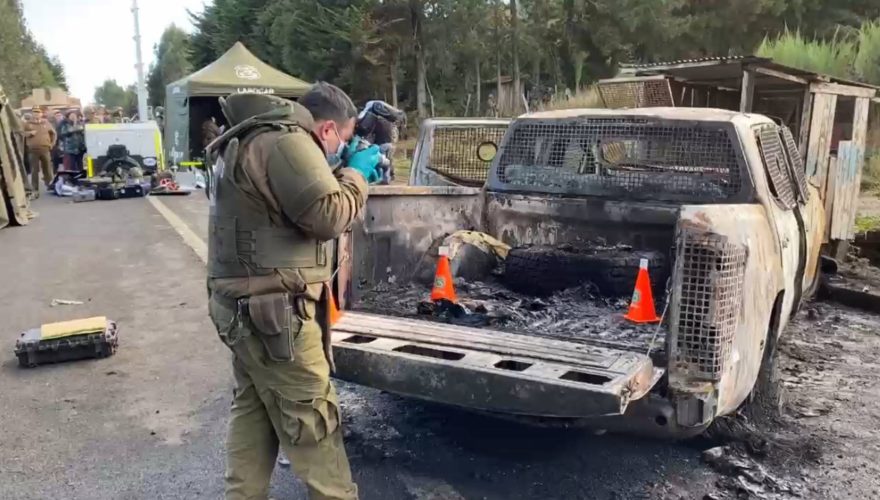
(40, 139)
(276, 207)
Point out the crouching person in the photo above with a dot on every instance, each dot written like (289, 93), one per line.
(276, 206)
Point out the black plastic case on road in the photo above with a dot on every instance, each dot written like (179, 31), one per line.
(32, 350)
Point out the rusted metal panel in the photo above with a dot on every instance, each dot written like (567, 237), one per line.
(399, 225)
(707, 296)
(636, 92)
(489, 370)
(777, 169)
(535, 220)
(795, 163)
(622, 157)
(846, 190)
(746, 228)
(485, 340)
(814, 225)
(449, 151)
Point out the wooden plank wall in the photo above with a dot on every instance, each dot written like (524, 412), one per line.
(844, 177)
(843, 190)
(819, 145)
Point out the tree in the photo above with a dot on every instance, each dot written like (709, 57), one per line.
(24, 64)
(422, 53)
(171, 63)
(57, 70)
(514, 44)
(417, 14)
(111, 95)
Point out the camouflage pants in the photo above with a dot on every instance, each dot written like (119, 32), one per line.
(291, 404)
(41, 162)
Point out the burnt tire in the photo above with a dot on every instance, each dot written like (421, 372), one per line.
(543, 270)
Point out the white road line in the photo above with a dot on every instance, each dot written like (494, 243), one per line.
(191, 239)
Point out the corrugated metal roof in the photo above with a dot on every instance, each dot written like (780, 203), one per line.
(724, 59)
(701, 68)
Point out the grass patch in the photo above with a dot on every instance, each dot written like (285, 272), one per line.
(401, 166)
(584, 98)
(870, 182)
(402, 160)
(866, 223)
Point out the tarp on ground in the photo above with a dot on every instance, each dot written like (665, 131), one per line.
(14, 207)
(236, 71)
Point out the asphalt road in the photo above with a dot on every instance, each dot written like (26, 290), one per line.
(150, 421)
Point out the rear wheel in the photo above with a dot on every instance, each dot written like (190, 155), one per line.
(765, 402)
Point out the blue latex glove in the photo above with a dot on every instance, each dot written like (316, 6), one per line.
(366, 162)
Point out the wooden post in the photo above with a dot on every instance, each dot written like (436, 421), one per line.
(747, 93)
(859, 137)
(806, 117)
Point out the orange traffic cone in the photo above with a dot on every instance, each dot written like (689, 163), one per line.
(334, 312)
(443, 288)
(641, 309)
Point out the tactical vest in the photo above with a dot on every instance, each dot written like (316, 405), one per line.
(244, 241)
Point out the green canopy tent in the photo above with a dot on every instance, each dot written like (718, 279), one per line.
(193, 99)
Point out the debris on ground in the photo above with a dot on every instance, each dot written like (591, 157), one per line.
(578, 313)
(744, 476)
(856, 281)
(66, 302)
(472, 255)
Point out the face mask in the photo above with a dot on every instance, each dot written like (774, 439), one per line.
(335, 158)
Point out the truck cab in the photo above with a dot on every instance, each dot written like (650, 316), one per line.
(720, 196)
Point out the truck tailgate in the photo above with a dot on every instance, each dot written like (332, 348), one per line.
(488, 370)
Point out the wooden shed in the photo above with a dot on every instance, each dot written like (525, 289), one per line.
(828, 115)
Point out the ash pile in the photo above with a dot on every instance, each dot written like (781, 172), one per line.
(575, 293)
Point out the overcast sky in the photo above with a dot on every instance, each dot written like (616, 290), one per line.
(93, 38)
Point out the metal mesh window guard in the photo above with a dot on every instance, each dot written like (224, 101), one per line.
(796, 162)
(776, 167)
(636, 93)
(711, 272)
(455, 152)
(622, 156)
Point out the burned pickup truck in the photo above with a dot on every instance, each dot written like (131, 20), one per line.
(716, 200)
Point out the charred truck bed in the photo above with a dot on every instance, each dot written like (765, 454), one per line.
(569, 276)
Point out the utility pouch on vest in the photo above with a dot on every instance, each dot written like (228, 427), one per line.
(229, 319)
(275, 323)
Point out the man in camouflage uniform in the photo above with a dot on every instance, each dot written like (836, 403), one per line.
(276, 206)
(40, 137)
(118, 115)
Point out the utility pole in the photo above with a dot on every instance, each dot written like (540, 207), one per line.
(139, 65)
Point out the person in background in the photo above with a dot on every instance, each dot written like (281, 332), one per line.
(89, 114)
(210, 131)
(40, 137)
(101, 114)
(73, 142)
(118, 115)
(57, 155)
